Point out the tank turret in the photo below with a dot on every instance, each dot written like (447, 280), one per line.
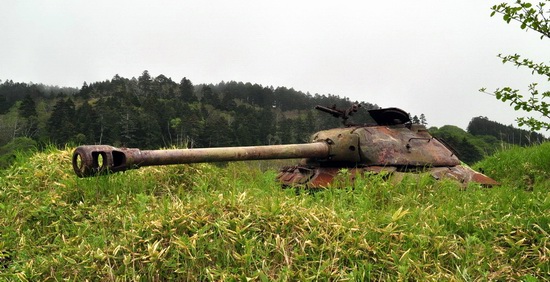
(392, 144)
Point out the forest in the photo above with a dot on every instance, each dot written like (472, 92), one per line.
(157, 112)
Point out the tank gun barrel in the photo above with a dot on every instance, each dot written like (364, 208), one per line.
(92, 160)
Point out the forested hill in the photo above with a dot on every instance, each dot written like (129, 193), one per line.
(484, 137)
(153, 112)
(480, 126)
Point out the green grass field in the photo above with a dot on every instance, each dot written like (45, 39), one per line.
(204, 222)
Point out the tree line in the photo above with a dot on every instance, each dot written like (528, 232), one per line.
(152, 112)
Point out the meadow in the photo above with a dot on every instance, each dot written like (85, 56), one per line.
(233, 222)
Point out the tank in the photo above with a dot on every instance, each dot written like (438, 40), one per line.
(391, 145)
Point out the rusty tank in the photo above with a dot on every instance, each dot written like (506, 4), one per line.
(392, 145)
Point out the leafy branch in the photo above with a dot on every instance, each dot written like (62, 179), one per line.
(533, 17)
(534, 103)
(530, 17)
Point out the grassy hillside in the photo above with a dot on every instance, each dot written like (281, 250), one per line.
(521, 167)
(203, 222)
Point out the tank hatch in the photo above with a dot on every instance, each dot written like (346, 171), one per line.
(390, 116)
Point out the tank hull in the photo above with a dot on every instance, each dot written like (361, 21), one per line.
(326, 177)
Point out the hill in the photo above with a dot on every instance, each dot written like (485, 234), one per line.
(482, 126)
(181, 223)
(152, 112)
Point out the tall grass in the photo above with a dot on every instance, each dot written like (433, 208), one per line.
(521, 167)
(202, 222)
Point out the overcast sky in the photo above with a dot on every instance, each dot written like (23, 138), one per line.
(425, 56)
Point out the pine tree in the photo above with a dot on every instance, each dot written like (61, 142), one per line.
(61, 124)
(144, 83)
(27, 108)
(187, 91)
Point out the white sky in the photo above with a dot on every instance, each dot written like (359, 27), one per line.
(425, 56)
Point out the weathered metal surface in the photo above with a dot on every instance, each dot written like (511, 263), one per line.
(344, 144)
(314, 177)
(92, 160)
(323, 177)
(295, 175)
(401, 146)
(462, 174)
